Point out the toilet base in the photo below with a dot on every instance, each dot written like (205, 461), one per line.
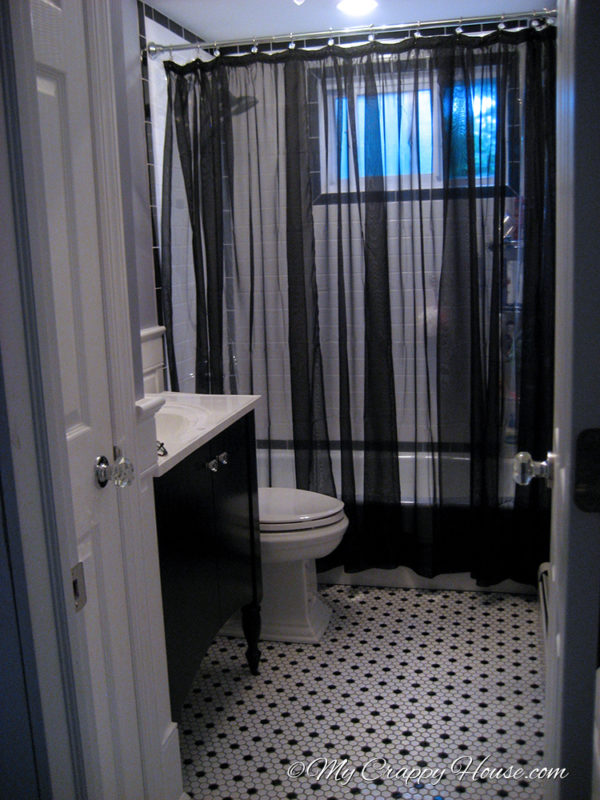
(291, 608)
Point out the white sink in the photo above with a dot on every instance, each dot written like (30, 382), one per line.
(187, 421)
(176, 423)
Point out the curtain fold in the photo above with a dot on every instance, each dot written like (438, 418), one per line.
(166, 295)
(311, 440)
(369, 236)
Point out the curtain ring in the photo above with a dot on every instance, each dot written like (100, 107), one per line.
(459, 27)
(417, 33)
(216, 51)
(254, 48)
(292, 43)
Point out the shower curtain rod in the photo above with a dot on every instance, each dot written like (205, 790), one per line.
(154, 49)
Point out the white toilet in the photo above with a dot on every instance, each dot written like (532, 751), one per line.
(296, 527)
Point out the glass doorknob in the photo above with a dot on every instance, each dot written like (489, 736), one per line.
(121, 472)
(525, 469)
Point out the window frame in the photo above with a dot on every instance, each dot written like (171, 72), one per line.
(404, 186)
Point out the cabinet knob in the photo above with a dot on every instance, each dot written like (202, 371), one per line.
(223, 458)
(212, 465)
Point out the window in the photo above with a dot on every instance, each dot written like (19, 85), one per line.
(399, 135)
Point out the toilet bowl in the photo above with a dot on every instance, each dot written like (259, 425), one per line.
(296, 527)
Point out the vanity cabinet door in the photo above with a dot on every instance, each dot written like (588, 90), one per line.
(188, 569)
(236, 518)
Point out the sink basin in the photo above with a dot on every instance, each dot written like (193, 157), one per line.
(176, 423)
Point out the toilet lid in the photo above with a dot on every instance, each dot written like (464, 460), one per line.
(289, 509)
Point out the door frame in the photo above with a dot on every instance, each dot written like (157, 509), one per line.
(574, 594)
(23, 739)
(23, 339)
(40, 467)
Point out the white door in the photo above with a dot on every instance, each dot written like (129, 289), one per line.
(99, 631)
(575, 545)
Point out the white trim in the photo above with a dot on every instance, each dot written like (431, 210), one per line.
(148, 406)
(153, 359)
(153, 332)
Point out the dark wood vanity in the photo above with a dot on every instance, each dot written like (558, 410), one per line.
(209, 548)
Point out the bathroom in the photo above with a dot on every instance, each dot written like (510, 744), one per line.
(430, 673)
(280, 465)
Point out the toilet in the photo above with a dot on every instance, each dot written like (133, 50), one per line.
(296, 527)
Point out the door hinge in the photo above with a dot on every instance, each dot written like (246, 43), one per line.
(78, 582)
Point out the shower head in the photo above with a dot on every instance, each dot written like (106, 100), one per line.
(241, 104)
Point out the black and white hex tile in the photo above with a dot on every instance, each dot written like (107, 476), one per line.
(423, 695)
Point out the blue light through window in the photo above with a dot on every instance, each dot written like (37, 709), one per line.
(483, 111)
(401, 148)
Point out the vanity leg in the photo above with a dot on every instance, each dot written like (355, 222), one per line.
(251, 628)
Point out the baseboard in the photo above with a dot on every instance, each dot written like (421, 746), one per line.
(171, 758)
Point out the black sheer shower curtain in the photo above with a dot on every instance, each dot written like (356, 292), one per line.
(371, 240)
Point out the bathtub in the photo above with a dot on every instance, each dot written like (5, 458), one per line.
(416, 482)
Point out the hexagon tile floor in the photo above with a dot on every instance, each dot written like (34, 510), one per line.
(423, 695)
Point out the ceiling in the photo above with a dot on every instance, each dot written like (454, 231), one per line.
(216, 20)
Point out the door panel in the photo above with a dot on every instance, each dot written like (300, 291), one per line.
(63, 246)
(100, 634)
